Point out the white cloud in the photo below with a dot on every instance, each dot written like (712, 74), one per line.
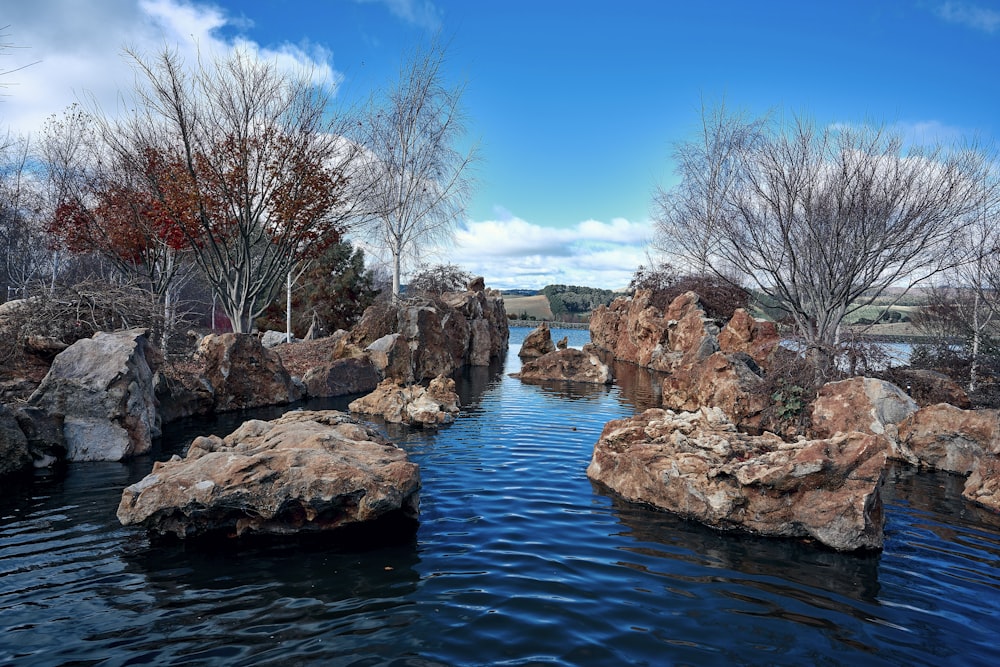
(422, 13)
(77, 48)
(970, 15)
(515, 253)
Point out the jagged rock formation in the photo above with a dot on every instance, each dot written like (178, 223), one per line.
(102, 388)
(537, 343)
(420, 339)
(243, 374)
(568, 365)
(697, 465)
(305, 472)
(415, 405)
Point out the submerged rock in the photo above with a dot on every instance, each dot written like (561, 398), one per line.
(305, 472)
(414, 405)
(569, 365)
(697, 465)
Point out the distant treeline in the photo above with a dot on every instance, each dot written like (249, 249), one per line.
(576, 300)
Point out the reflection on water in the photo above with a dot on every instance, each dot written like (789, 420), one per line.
(519, 559)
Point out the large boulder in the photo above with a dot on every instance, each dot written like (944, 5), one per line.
(305, 472)
(243, 374)
(537, 343)
(420, 339)
(413, 405)
(340, 377)
(699, 466)
(569, 365)
(948, 438)
(103, 388)
(862, 404)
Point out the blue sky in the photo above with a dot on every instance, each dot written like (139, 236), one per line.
(574, 105)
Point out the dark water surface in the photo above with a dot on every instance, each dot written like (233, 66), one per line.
(518, 560)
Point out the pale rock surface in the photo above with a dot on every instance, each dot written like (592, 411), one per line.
(983, 484)
(948, 438)
(103, 388)
(699, 466)
(863, 404)
(414, 405)
(305, 472)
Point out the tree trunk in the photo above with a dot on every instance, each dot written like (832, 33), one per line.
(288, 307)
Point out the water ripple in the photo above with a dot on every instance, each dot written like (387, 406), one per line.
(519, 559)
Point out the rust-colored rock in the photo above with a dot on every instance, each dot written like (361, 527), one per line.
(699, 466)
(948, 438)
(568, 365)
(757, 338)
(414, 405)
(722, 381)
(538, 342)
(305, 472)
(243, 374)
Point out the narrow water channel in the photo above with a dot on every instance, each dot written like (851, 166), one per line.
(519, 560)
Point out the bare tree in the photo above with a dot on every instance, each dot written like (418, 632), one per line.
(709, 167)
(824, 222)
(243, 162)
(24, 252)
(421, 177)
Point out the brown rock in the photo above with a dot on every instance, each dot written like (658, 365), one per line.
(948, 438)
(699, 466)
(305, 472)
(537, 342)
(569, 365)
(983, 485)
(754, 337)
(243, 374)
(414, 405)
(862, 404)
(434, 337)
(722, 381)
(342, 377)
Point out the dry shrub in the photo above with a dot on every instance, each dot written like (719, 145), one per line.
(790, 383)
(719, 296)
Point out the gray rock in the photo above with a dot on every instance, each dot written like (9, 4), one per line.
(103, 388)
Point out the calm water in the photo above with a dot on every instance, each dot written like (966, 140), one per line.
(518, 560)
